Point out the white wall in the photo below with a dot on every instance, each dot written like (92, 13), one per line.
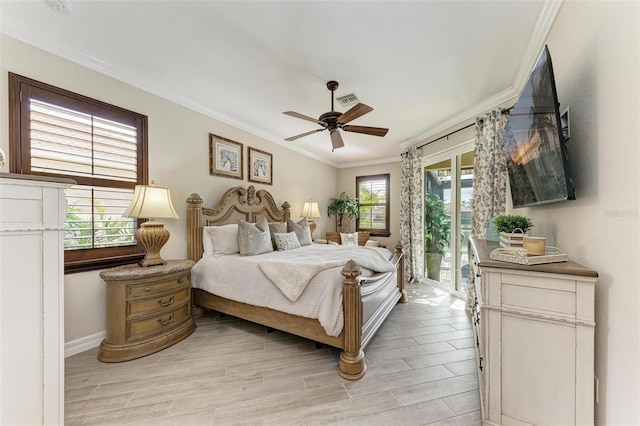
(595, 47)
(178, 159)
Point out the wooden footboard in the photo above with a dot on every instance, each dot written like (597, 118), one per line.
(358, 330)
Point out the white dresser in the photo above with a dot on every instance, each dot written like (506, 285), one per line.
(534, 329)
(32, 213)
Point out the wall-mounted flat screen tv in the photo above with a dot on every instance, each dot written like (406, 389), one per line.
(534, 143)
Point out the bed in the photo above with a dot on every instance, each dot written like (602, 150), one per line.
(367, 296)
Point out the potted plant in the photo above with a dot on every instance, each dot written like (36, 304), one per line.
(437, 230)
(508, 226)
(509, 223)
(342, 206)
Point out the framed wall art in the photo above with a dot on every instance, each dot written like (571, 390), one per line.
(260, 166)
(225, 157)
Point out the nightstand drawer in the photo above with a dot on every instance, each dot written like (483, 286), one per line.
(145, 289)
(142, 328)
(157, 303)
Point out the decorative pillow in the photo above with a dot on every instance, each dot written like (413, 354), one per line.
(277, 228)
(254, 238)
(220, 240)
(372, 243)
(349, 239)
(286, 241)
(302, 230)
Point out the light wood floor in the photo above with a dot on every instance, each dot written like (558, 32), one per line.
(421, 371)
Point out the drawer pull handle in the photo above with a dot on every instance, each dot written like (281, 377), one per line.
(147, 289)
(165, 322)
(181, 280)
(167, 303)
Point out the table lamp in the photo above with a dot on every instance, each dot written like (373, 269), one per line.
(310, 210)
(151, 202)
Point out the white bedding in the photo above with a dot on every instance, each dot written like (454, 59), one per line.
(240, 278)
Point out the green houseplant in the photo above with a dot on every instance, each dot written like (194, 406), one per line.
(342, 206)
(437, 231)
(509, 223)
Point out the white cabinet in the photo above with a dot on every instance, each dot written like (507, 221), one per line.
(32, 213)
(534, 329)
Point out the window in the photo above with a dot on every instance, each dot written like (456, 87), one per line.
(373, 205)
(57, 133)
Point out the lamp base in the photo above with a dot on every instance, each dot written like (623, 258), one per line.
(312, 226)
(152, 235)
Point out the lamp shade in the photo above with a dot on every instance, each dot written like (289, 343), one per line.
(310, 209)
(151, 202)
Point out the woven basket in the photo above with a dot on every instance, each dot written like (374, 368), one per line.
(333, 236)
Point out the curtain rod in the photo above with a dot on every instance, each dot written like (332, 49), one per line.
(504, 111)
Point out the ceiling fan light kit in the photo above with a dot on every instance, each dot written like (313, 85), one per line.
(334, 121)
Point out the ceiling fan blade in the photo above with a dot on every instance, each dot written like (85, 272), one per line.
(357, 111)
(375, 131)
(336, 140)
(293, 138)
(304, 117)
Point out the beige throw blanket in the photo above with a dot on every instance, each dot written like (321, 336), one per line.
(292, 273)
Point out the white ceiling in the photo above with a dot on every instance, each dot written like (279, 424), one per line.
(422, 65)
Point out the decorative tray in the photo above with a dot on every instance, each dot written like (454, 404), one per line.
(521, 256)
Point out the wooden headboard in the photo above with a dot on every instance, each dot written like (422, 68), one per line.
(237, 203)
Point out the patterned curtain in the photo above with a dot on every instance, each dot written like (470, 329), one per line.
(411, 220)
(490, 171)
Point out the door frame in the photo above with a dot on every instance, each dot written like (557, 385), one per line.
(453, 154)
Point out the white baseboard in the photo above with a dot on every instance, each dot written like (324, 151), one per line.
(83, 344)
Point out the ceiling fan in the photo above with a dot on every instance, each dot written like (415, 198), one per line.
(333, 121)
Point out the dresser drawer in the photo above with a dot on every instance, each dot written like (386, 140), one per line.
(160, 322)
(148, 288)
(158, 302)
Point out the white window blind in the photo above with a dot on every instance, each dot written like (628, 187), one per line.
(94, 218)
(373, 203)
(74, 143)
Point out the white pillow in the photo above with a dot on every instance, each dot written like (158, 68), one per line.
(349, 239)
(286, 241)
(207, 242)
(223, 240)
(372, 243)
(302, 230)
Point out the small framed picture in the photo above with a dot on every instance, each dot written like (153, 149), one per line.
(260, 166)
(225, 157)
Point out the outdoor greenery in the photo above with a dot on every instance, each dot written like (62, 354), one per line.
(110, 230)
(342, 206)
(437, 224)
(371, 211)
(509, 223)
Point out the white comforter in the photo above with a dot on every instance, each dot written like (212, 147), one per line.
(240, 278)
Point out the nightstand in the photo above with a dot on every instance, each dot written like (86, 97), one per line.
(148, 309)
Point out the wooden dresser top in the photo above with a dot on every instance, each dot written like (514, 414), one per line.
(483, 248)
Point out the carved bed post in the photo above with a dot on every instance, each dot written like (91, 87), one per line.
(194, 227)
(352, 365)
(403, 293)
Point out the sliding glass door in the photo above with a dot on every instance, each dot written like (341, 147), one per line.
(448, 194)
